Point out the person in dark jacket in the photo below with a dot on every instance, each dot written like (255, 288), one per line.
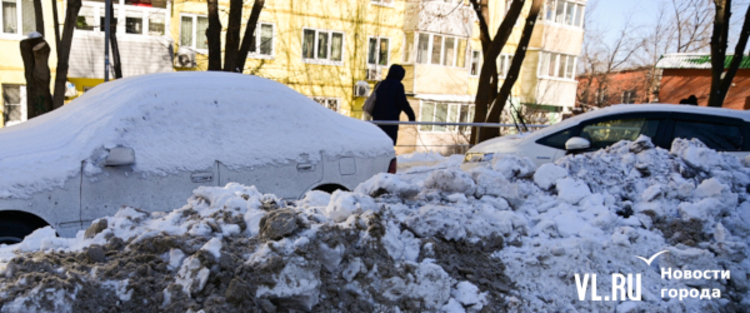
(391, 100)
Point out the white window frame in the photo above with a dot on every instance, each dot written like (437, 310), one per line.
(18, 35)
(565, 3)
(256, 54)
(448, 129)
(507, 58)
(479, 62)
(410, 55)
(22, 104)
(120, 10)
(193, 45)
(543, 72)
(377, 52)
(327, 100)
(328, 60)
(383, 3)
(467, 65)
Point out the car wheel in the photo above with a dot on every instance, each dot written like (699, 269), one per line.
(13, 231)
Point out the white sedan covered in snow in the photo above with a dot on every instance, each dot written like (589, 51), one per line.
(149, 141)
(720, 129)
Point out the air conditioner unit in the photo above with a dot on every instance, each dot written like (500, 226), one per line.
(361, 89)
(185, 58)
(373, 74)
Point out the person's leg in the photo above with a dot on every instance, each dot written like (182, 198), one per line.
(391, 131)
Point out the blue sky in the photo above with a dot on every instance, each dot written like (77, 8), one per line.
(611, 15)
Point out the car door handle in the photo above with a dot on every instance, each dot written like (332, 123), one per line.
(201, 177)
(305, 167)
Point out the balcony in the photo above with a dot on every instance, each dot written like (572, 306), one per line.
(142, 36)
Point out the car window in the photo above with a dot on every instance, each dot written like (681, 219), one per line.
(557, 140)
(715, 136)
(606, 133)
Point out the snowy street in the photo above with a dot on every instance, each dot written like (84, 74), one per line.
(433, 238)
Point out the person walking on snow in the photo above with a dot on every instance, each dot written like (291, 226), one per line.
(391, 100)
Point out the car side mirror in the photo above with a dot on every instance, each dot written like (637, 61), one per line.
(577, 143)
(120, 156)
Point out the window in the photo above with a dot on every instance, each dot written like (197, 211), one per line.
(564, 12)
(155, 24)
(408, 47)
(628, 96)
(461, 53)
(322, 45)
(475, 62)
(14, 104)
(378, 51)
(441, 50)
(558, 139)
(86, 18)
(193, 31)
(138, 20)
(263, 40)
(503, 64)
(606, 133)
(445, 112)
(437, 49)
(18, 17)
(422, 48)
(715, 136)
(330, 103)
(556, 65)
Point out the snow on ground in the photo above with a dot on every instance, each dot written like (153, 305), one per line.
(501, 237)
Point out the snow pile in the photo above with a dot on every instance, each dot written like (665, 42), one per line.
(420, 157)
(179, 122)
(504, 237)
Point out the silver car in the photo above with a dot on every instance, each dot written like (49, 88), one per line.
(149, 141)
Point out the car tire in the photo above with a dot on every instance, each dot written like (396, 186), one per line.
(14, 231)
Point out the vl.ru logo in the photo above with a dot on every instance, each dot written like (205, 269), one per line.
(621, 285)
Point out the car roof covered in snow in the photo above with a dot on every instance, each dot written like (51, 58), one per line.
(180, 121)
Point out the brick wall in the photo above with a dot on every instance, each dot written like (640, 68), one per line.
(677, 84)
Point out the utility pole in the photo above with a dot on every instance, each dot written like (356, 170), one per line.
(107, 17)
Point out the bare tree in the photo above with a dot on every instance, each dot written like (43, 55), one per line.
(498, 104)
(600, 60)
(235, 52)
(64, 43)
(691, 24)
(116, 64)
(721, 80)
(487, 88)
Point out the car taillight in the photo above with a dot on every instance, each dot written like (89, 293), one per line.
(392, 167)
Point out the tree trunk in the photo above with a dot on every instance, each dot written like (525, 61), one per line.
(213, 35)
(39, 17)
(248, 40)
(234, 23)
(56, 24)
(726, 81)
(515, 67)
(63, 52)
(116, 64)
(487, 85)
(35, 53)
(719, 50)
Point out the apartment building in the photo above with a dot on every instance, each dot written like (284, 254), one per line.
(334, 51)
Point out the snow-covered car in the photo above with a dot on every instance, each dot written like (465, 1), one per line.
(149, 141)
(720, 129)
